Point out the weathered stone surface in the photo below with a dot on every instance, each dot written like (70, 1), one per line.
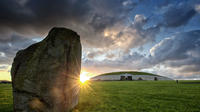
(45, 75)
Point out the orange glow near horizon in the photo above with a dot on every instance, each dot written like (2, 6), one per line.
(5, 74)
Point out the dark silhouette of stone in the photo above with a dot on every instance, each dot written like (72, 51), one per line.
(45, 76)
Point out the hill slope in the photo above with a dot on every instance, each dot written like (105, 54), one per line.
(129, 75)
(128, 72)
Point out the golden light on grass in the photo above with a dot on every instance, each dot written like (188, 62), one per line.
(84, 77)
(84, 83)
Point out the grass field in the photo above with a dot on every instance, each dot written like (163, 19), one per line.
(129, 96)
(6, 98)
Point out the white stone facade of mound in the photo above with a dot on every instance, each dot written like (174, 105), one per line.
(134, 77)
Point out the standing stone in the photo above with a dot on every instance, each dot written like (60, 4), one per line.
(45, 76)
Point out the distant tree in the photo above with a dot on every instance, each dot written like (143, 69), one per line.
(5, 82)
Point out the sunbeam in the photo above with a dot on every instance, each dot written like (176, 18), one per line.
(84, 77)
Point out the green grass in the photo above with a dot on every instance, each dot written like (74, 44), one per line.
(129, 96)
(140, 96)
(129, 72)
(6, 100)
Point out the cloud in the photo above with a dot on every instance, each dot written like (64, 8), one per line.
(120, 39)
(173, 56)
(88, 17)
(180, 51)
(132, 61)
(40, 15)
(178, 15)
(110, 31)
(131, 36)
(9, 47)
(22, 20)
(3, 67)
(179, 46)
(197, 8)
(110, 55)
(34, 18)
(108, 12)
(94, 54)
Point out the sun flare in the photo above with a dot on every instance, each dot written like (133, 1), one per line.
(84, 77)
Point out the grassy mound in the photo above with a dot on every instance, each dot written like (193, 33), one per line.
(129, 72)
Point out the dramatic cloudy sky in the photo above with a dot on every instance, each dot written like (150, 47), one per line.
(157, 36)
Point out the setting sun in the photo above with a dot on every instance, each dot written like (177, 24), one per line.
(84, 77)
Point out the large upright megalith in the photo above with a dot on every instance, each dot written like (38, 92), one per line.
(45, 75)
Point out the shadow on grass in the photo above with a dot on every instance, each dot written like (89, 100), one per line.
(189, 82)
